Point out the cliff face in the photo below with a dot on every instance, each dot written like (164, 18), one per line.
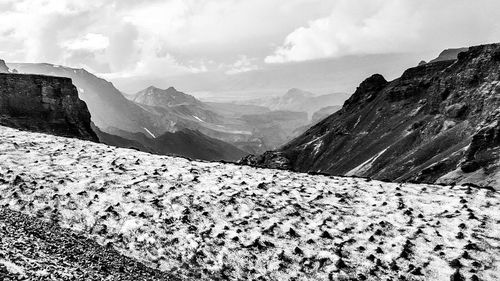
(439, 122)
(3, 67)
(44, 104)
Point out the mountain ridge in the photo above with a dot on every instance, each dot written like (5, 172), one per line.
(415, 128)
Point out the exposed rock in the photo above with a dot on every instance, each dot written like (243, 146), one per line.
(485, 145)
(436, 123)
(35, 249)
(273, 160)
(44, 104)
(3, 67)
(449, 54)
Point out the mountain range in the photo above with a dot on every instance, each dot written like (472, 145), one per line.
(438, 122)
(299, 100)
(121, 122)
(160, 120)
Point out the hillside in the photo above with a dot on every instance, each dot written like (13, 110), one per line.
(438, 122)
(207, 221)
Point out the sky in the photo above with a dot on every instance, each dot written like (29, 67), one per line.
(153, 39)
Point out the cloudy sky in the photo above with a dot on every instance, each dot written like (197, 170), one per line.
(159, 38)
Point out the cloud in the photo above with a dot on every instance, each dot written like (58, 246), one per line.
(384, 26)
(90, 42)
(243, 64)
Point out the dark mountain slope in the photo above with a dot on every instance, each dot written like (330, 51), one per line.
(44, 104)
(438, 122)
(185, 142)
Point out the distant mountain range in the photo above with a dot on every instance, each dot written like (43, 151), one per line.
(438, 122)
(299, 100)
(120, 119)
(154, 118)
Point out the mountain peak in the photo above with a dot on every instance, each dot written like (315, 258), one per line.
(155, 96)
(297, 93)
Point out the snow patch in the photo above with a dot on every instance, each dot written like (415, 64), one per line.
(198, 118)
(149, 132)
(365, 166)
(12, 267)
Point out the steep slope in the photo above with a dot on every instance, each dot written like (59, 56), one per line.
(184, 142)
(214, 221)
(44, 104)
(438, 122)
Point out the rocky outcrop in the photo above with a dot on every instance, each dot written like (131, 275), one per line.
(439, 122)
(3, 67)
(449, 54)
(44, 104)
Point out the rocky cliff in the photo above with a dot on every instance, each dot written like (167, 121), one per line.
(438, 122)
(44, 104)
(3, 67)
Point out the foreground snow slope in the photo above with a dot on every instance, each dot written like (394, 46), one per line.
(214, 220)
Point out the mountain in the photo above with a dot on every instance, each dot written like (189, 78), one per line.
(166, 98)
(44, 104)
(449, 54)
(123, 122)
(298, 100)
(228, 122)
(214, 221)
(324, 112)
(438, 122)
(322, 76)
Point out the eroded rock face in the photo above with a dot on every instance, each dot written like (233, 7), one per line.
(44, 104)
(438, 118)
(3, 67)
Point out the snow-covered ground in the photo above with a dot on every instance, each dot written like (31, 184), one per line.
(229, 221)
